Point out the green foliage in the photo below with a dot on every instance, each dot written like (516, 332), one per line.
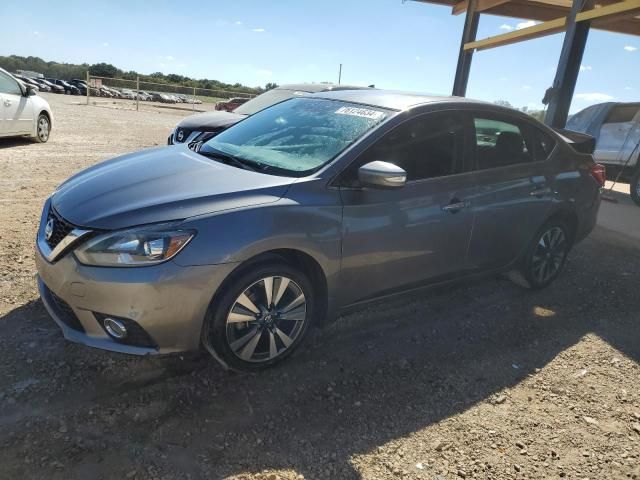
(270, 86)
(67, 71)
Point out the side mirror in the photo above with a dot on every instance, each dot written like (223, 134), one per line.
(382, 175)
(30, 91)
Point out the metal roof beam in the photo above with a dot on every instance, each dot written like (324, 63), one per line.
(481, 5)
(613, 12)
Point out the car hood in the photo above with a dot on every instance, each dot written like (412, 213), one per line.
(210, 120)
(158, 185)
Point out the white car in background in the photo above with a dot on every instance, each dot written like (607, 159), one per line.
(22, 112)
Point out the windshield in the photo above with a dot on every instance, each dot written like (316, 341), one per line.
(267, 99)
(297, 136)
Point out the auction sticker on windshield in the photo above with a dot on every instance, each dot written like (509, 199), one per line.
(360, 112)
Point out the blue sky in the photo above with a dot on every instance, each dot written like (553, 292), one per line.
(408, 46)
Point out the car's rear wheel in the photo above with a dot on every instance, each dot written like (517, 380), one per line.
(546, 256)
(634, 187)
(43, 129)
(260, 317)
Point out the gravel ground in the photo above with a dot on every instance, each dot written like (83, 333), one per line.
(483, 380)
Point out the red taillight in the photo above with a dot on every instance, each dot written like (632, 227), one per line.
(598, 172)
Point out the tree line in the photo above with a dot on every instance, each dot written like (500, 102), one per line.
(67, 71)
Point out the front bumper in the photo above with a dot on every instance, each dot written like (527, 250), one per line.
(167, 301)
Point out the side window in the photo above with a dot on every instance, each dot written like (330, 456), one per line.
(500, 143)
(622, 114)
(9, 85)
(427, 146)
(543, 144)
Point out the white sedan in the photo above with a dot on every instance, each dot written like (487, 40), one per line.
(22, 112)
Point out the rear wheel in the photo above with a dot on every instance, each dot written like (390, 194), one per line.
(634, 187)
(546, 255)
(261, 317)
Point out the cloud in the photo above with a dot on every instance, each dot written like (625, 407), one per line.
(504, 79)
(181, 65)
(628, 88)
(585, 68)
(630, 48)
(259, 30)
(417, 58)
(238, 22)
(36, 32)
(105, 44)
(527, 24)
(506, 27)
(593, 97)
(264, 72)
(526, 87)
(169, 58)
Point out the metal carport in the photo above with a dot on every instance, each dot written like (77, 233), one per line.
(575, 18)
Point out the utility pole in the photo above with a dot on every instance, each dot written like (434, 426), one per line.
(339, 74)
(137, 92)
(88, 87)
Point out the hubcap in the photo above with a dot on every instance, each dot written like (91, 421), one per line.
(266, 319)
(549, 254)
(43, 128)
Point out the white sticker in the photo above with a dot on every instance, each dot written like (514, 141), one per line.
(360, 112)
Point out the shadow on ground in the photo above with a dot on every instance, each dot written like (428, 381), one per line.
(377, 375)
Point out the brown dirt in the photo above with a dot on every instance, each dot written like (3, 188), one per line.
(483, 380)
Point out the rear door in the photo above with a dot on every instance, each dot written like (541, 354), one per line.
(617, 133)
(15, 109)
(514, 187)
(403, 237)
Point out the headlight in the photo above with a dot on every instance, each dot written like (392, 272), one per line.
(135, 247)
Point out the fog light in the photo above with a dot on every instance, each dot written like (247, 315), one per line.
(115, 328)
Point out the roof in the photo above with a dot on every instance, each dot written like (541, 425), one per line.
(319, 87)
(390, 99)
(544, 10)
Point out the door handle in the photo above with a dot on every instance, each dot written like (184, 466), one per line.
(454, 206)
(540, 192)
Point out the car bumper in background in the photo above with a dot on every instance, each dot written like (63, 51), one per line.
(163, 306)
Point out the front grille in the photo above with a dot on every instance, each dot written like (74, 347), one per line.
(136, 335)
(64, 312)
(61, 228)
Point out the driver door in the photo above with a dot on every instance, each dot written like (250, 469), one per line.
(395, 239)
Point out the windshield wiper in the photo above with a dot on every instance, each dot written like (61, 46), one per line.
(228, 159)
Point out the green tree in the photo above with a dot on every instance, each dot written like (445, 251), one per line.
(271, 86)
(104, 70)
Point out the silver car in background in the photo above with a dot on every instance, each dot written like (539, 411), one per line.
(314, 204)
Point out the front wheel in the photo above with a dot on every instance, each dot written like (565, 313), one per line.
(260, 317)
(634, 187)
(546, 255)
(43, 129)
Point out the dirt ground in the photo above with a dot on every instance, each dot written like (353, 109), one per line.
(484, 380)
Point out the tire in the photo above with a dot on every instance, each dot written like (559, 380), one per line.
(634, 187)
(545, 257)
(243, 332)
(43, 129)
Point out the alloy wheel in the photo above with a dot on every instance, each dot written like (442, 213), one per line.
(266, 319)
(43, 129)
(549, 255)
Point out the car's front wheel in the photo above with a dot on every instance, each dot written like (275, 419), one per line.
(260, 317)
(43, 129)
(546, 255)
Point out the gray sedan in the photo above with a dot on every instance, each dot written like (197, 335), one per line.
(311, 205)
